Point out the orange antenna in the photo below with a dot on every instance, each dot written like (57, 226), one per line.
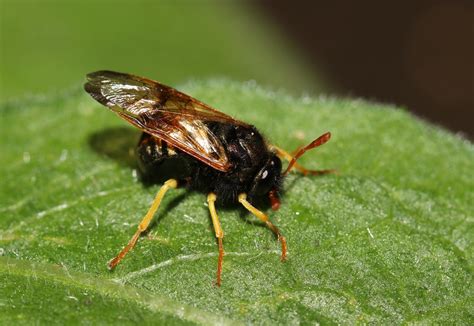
(315, 143)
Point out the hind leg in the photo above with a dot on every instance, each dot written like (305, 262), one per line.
(170, 184)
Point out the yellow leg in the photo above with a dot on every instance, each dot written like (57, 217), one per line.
(172, 183)
(263, 217)
(211, 199)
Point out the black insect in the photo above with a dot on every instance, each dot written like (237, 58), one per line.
(226, 158)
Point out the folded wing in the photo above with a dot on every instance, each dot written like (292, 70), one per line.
(163, 112)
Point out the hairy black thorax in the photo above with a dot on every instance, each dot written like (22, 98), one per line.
(254, 168)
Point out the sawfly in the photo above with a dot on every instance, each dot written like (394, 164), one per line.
(227, 159)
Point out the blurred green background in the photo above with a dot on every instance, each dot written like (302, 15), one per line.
(414, 54)
(51, 45)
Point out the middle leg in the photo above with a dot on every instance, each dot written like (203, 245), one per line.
(211, 199)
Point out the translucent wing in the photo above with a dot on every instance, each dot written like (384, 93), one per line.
(163, 112)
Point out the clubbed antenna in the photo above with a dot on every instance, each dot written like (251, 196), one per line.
(315, 143)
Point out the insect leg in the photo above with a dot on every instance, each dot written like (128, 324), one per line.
(211, 198)
(171, 183)
(263, 217)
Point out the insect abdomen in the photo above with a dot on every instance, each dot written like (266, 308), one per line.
(158, 160)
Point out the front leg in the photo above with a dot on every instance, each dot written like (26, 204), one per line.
(264, 218)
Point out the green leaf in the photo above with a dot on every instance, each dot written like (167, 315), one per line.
(388, 240)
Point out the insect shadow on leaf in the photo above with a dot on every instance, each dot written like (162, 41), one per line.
(118, 144)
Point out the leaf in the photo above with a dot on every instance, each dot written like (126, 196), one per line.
(388, 240)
